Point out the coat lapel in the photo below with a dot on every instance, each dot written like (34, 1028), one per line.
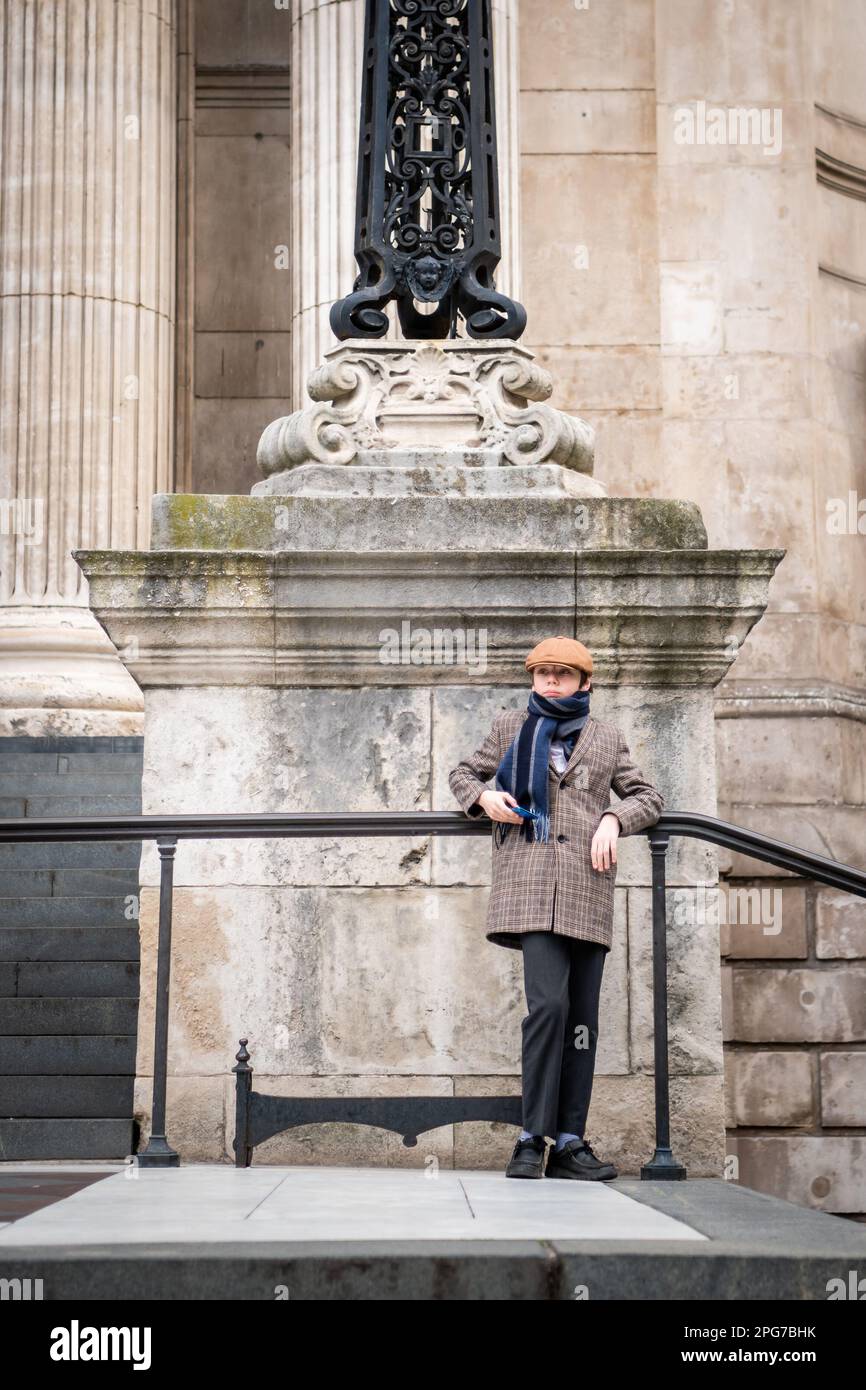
(581, 743)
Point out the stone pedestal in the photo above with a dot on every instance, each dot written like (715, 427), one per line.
(415, 403)
(339, 645)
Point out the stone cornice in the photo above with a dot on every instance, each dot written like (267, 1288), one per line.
(317, 618)
(786, 699)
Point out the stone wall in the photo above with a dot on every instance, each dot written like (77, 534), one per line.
(709, 319)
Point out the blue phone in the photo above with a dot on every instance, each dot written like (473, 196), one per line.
(525, 812)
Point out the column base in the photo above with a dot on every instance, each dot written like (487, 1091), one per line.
(61, 675)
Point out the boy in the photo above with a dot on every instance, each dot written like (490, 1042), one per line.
(552, 886)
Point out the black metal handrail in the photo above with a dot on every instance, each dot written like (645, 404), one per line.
(167, 830)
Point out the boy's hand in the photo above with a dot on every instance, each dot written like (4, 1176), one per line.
(603, 849)
(496, 805)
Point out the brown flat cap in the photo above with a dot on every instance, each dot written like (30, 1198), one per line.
(560, 651)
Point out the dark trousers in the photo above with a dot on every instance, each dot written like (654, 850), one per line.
(562, 980)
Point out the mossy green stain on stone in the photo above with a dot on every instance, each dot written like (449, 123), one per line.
(664, 523)
(195, 521)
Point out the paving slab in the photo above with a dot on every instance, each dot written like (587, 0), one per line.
(204, 1231)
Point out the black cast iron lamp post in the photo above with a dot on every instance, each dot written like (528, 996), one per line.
(427, 203)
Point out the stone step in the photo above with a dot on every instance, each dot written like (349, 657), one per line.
(59, 943)
(79, 1138)
(21, 782)
(54, 1097)
(63, 854)
(69, 951)
(44, 913)
(17, 747)
(69, 803)
(752, 1248)
(73, 764)
(48, 1017)
(74, 979)
(67, 883)
(106, 1054)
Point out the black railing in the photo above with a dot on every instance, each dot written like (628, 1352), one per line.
(258, 1117)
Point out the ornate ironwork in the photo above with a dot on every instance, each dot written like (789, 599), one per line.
(427, 206)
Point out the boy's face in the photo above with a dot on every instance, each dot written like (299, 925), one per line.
(558, 680)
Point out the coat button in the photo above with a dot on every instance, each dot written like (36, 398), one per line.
(562, 837)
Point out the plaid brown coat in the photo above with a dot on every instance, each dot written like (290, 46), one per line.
(539, 886)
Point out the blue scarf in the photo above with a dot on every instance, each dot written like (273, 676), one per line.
(524, 768)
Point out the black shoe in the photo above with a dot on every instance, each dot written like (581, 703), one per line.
(577, 1160)
(527, 1160)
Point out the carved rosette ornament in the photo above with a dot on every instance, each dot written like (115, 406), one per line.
(448, 398)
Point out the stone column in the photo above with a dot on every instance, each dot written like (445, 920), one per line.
(88, 271)
(327, 39)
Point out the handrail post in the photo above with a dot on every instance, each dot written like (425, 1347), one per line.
(158, 1152)
(662, 1165)
(243, 1086)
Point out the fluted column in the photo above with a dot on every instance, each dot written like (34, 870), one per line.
(327, 50)
(327, 44)
(87, 262)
